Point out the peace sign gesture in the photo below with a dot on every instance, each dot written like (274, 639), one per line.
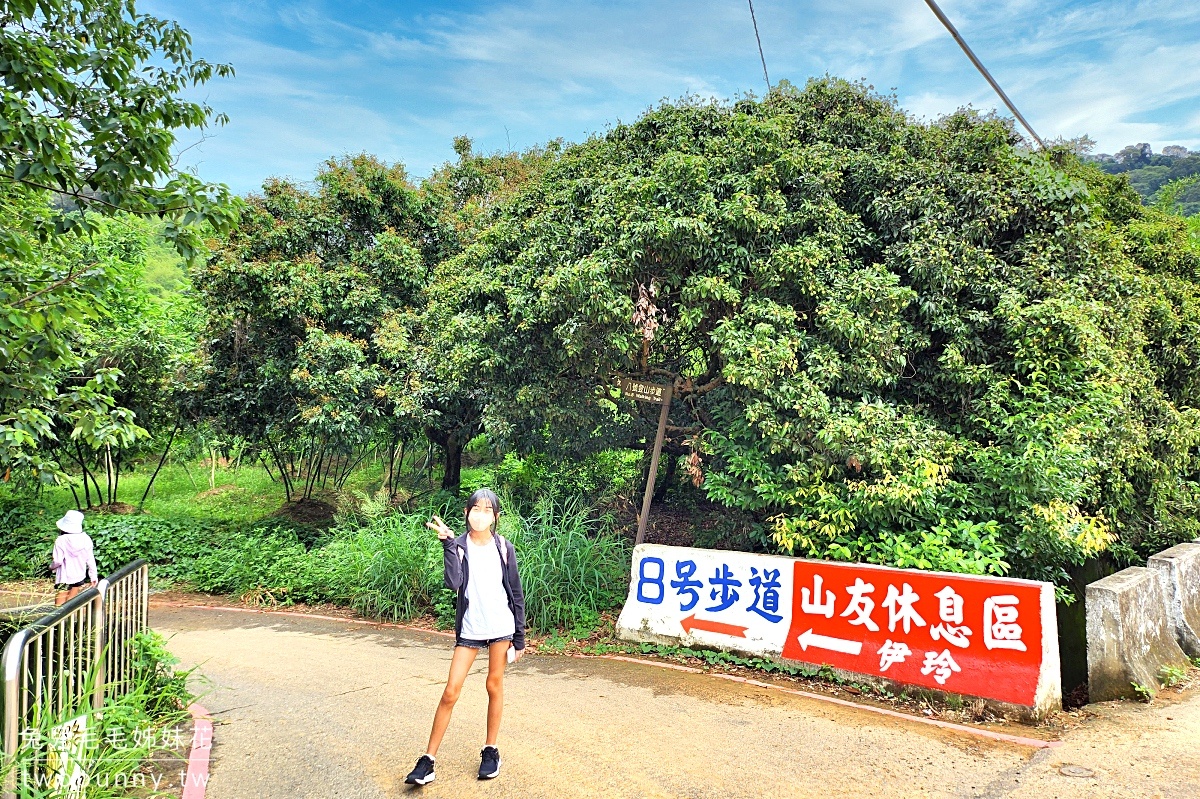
(440, 527)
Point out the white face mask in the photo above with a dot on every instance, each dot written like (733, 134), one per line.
(480, 518)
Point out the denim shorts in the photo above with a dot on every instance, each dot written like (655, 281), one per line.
(476, 643)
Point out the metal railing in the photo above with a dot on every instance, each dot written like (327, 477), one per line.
(81, 648)
(124, 595)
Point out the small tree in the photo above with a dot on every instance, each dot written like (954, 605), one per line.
(89, 109)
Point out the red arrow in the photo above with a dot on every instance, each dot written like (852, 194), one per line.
(691, 622)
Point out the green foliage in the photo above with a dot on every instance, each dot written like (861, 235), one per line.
(122, 736)
(1154, 176)
(48, 298)
(912, 344)
(388, 565)
(572, 567)
(318, 341)
(89, 109)
(1170, 676)
(165, 543)
(27, 543)
(599, 476)
(94, 369)
(240, 564)
(155, 677)
(400, 565)
(1143, 693)
(90, 103)
(295, 296)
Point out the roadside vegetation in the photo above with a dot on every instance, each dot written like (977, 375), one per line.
(914, 344)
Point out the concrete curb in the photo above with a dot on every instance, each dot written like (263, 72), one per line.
(1130, 637)
(1179, 570)
(946, 725)
(196, 781)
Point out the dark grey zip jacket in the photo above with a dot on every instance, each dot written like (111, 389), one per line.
(454, 551)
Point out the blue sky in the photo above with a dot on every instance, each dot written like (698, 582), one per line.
(400, 80)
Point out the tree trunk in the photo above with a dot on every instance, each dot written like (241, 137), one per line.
(108, 473)
(661, 486)
(453, 449)
(284, 477)
(83, 467)
(161, 461)
(117, 474)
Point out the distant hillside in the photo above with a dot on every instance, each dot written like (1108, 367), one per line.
(1149, 171)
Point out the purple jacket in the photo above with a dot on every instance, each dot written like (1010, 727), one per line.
(456, 573)
(74, 558)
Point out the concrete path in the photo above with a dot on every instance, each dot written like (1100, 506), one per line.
(316, 708)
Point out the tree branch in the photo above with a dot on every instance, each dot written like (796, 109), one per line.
(88, 199)
(71, 277)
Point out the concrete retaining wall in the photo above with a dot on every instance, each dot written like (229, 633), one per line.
(1129, 632)
(1179, 570)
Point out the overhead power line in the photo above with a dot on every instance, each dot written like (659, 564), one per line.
(759, 40)
(974, 60)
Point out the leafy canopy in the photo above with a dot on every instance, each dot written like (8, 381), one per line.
(901, 343)
(89, 108)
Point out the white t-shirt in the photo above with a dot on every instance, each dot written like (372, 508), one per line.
(488, 615)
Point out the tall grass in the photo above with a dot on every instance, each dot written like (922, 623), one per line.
(396, 563)
(388, 565)
(573, 567)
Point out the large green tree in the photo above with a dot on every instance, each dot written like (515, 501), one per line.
(90, 108)
(322, 339)
(294, 294)
(436, 378)
(895, 342)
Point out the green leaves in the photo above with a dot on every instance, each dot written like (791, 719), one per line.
(89, 108)
(896, 342)
(89, 111)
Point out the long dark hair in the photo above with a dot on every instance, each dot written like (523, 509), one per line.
(493, 500)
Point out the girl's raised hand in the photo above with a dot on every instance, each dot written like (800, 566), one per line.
(439, 526)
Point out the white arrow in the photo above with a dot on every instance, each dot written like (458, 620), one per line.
(809, 638)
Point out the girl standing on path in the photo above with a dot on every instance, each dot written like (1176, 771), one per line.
(74, 561)
(490, 614)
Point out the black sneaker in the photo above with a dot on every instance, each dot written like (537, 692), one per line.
(423, 773)
(489, 765)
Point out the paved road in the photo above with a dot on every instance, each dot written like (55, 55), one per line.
(316, 708)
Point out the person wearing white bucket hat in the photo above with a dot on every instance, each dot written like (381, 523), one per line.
(74, 561)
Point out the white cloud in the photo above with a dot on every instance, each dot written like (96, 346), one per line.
(317, 79)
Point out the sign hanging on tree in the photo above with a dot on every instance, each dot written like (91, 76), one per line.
(659, 393)
(644, 391)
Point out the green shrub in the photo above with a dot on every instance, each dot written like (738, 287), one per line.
(120, 738)
(383, 563)
(595, 479)
(164, 543)
(397, 566)
(26, 539)
(573, 567)
(240, 563)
